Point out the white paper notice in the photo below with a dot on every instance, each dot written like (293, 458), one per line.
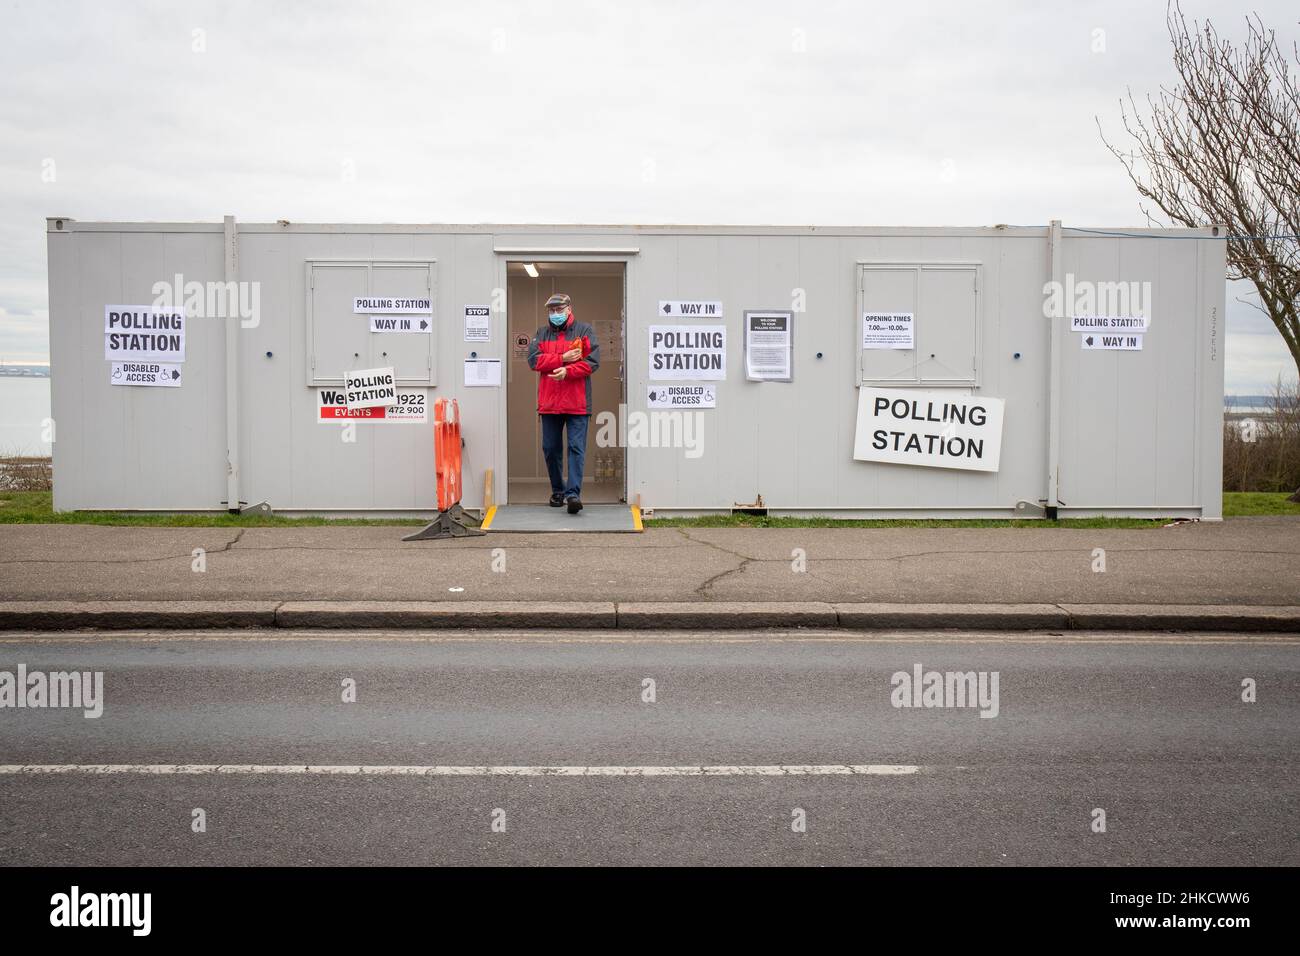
(144, 333)
(767, 346)
(146, 373)
(477, 323)
(401, 323)
(888, 330)
(482, 372)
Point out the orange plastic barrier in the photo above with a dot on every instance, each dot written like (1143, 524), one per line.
(446, 450)
(452, 521)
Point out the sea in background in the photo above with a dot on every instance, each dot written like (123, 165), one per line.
(24, 405)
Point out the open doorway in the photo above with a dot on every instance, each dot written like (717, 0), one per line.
(597, 291)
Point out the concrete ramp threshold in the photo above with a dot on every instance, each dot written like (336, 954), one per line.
(595, 517)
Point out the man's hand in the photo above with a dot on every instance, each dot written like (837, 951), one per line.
(573, 354)
(559, 373)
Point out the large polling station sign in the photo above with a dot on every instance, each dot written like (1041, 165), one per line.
(928, 429)
(144, 333)
(692, 352)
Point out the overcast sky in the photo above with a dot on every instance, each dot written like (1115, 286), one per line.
(898, 113)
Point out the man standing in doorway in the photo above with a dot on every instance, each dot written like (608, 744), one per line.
(564, 353)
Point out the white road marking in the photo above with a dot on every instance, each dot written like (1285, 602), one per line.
(773, 770)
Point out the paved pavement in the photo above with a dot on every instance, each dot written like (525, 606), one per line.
(1152, 730)
(1241, 561)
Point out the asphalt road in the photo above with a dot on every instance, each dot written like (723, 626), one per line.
(1151, 729)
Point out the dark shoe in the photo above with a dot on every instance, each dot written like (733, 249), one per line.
(557, 501)
(575, 505)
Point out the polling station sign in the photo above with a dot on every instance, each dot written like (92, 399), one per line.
(152, 374)
(1109, 323)
(929, 429)
(369, 388)
(409, 408)
(695, 352)
(145, 333)
(391, 305)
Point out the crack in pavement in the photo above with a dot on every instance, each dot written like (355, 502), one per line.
(165, 557)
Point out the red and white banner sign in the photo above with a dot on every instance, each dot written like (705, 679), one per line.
(411, 408)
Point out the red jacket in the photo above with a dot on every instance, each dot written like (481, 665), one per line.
(570, 395)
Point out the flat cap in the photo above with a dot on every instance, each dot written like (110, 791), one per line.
(557, 300)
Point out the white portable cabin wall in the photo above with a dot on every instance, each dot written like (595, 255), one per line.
(1135, 432)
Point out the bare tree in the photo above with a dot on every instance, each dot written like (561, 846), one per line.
(1221, 148)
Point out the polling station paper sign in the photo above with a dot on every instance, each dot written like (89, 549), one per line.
(681, 396)
(369, 388)
(391, 305)
(693, 352)
(410, 408)
(929, 429)
(152, 374)
(145, 333)
(1109, 323)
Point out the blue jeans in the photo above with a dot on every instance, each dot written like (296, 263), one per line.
(553, 452)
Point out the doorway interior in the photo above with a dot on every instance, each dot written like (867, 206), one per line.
(598, 292)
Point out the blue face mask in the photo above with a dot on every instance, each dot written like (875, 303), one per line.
(557, 318)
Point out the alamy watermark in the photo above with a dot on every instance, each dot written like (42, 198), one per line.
(211, 300)
(75, 908)
(1084, 297)
(922, 688)
(651, 429)
(22, 689)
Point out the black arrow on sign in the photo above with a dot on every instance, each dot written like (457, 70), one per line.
(423, 324)
(668, 308)
(1088, 340)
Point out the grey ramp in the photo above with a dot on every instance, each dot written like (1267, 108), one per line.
(603, 517)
